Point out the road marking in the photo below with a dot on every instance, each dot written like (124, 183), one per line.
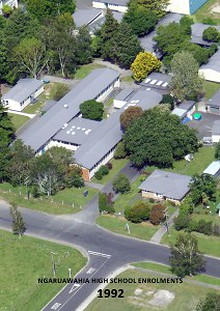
(90, 271)
(99, 254)
(56, 306)
(74, 287)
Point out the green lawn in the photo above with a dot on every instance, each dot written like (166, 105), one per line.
(202, 159)
(186, 295)
(211, 88)
(207, 244)
(117, 165)
(205, 11)
(117, 224)
(166, 269)
(17, 120)
(127, 79)
(61, 203)
(84, 70)
(25, 260)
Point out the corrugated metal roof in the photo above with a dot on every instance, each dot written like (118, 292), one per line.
(170, 185)
(213, 168)
(86, 16)
(22, 90)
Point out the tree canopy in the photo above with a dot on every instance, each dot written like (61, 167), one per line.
(129, 115)
(211, 302)
(158, 7)
(203, 188)
(157, 138)
(91, 109)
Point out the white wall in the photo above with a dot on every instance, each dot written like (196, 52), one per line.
(119, 103)
(102, 5)
(103, 96)
(210, 75)
(215, 138)
(179, 6)
(55, 143)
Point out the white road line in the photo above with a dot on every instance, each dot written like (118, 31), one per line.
(90, 271)
(74, 287)
(99, 254)
(56, 306)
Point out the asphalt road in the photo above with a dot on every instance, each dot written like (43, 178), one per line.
(117, 251)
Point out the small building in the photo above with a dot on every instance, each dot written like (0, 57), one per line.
(114, 5)
(162, 185)
(213, 104)
(211, 70)
(216, 131)
(12, 3)
(87, 17)
(213, 169)
(185, 6)
(185, 109)
(197, 32)
(22, 94)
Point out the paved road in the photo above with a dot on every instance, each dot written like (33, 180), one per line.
(122, 250)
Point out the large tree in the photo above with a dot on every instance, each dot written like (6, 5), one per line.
(141, 20)
(158, 138)
(144, 63)
(129, 115)
(203, 188)
(185, 257)
(186, 82)
(158, 7)
(83, 47)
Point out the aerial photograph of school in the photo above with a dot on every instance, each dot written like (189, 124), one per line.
(110, 155)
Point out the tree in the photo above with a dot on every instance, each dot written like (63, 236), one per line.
(58, 91)
(73, 177)
(129, 115)
(18, 225)
(7, 10)
(185, 257)
(30, 56)
(157, 214)
(145, 143)
(91, 109)
(138, 213)
(211, 34)
(83, 47)
(217, 151)
(105, 203)
(120, 152)
(144, 63)
(211, 302)
(141, 20)
(186, 22)
(121, 184)
(157, 7)
(185, 82)
(7, 136)
(127, 46)
(203, 188)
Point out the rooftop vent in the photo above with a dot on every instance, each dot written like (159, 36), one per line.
(65, 106)
(68, 132)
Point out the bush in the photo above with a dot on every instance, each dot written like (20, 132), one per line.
(216, 230)
(98, 175)
(168, 99)
(91, 109)
(157, 214)
(103, 170)
(209, 21)
(138, 213)
(120, 152)
(105, 205)
(121, 184)
(151, 200)
(211, 34)
(186, 23)
(204, 227)
(109, 165)
(78, 181)
(58, 91)
(181, 221)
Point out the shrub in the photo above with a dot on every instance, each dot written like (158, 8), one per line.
(104, 170)
(157, 214)
(211, 34)
(186, 23)
(216, 230)
(204, 227)
(109, 165)
(151, 200)
(105, 205)
(121, 184)
(209, 21)
(98, 175)
(138, 213)
(120, 152)
(78, 181)
(181, 221)
(58, 91)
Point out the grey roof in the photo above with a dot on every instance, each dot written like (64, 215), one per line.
(124, 94)
(86, 16)
(215, 100)
(100, 142)
(213, 168)
(187, 104)
(146, 99)
(157, 80)
(213, 63)
(216, 127)
(179, 112)
(48, 105)
(67, 108)
(77, 131)
(117, 2)
(22, 90)
(170, 185)
(147, 41)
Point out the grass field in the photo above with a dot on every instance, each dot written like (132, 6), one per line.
(117, 224)
(117, 165)
(60, 203)
(84, 70)
(25, 260)
(205, 11)
(166, 269)
(211, 88)
(186, 295)
(207, 244)
(17, 120)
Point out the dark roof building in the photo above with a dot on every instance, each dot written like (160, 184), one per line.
(166, 185)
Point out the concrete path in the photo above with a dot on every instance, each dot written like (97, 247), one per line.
(94, 185)
(29, 115)
(156, 238)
